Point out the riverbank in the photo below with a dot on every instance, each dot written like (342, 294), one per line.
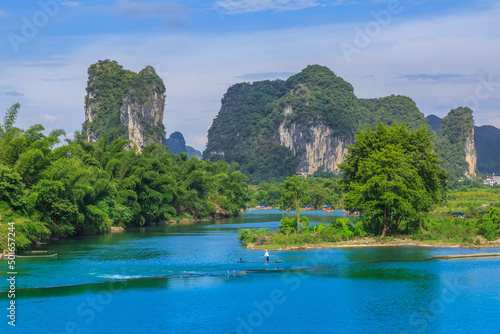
(375, 242)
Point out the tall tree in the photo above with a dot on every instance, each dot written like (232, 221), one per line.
(293, 195)
(392, 174)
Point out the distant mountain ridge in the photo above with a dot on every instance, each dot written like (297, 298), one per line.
(177, 144)
(434, 122)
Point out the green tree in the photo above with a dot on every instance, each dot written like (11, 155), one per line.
(293, 195)
(392, 174)
(11, 187)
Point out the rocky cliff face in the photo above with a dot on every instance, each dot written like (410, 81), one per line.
(470, 154)
(123, 102)
(316, 146)
(141, 117)
(487, 153)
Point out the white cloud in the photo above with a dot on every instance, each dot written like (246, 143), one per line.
(232, 7)
(73, 4)
(2, 13)
(198, 69)
(49, 118)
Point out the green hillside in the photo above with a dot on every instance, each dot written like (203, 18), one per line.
(246, 129)
(451, 139)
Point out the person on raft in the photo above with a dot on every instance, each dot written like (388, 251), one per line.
(266, 255)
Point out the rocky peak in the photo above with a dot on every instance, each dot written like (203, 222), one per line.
(456, 134)
(123, 102)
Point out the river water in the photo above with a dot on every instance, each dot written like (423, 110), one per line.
(184, 279)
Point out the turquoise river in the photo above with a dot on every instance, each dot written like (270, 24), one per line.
(184, 279)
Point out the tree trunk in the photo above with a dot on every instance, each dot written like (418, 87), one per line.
(384, 229)
(298, 219)
(385, 224)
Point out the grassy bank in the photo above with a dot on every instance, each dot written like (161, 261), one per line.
(435, 232)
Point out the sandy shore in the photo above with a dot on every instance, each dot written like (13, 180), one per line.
(371, 242)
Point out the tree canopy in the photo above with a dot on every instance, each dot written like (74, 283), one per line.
(392, 174)
(293, 195)
(57, 190)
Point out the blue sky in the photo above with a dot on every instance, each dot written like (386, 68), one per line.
(441, 53)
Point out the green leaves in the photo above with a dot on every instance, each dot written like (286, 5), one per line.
(11, 187)
(293, 195)
(391, 174)
(83, 187)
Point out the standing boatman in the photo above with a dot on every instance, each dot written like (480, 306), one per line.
(266, 255)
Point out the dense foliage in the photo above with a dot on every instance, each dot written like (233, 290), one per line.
(80, 187)
(318, 192)
(109, 87)
(391, 175)
(480, 204)
(293, 196)
(390, 108)
(245, 132)
(341, 229)
(317, 96)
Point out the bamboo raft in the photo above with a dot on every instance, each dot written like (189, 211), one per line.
(241, 261)
(464, 256)
(6, 256)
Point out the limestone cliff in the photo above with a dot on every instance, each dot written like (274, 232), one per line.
(274, 129)
(125, 103)
(316, 146)
(485, 141)
(470, 154)
(455, 143)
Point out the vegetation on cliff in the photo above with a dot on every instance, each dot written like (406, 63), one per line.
(451, 139)
(485, 137)
(51, 190)
(390, 108)
(246, 130)
(109, 86)
(317, 96)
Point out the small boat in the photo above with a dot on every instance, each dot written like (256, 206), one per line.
(241, 261)
(32, 256)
